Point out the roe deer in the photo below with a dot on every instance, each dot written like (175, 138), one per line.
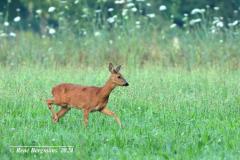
(87, 98)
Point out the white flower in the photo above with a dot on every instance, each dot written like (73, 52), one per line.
(76, 1)
(85, 10)
(193, 21)
(84, 32)
(3, 35)
(173, 25)
(111, 19)
(134, 9)
(76, 21)
(51, 31)
(185, 18)
(51, 9)
(138, 26)
(124, 12)
(216, 19)
(119, 1)
(6, 23)
(233, 23)
(17, 19)
(213, 29)
(96, 34)
(98, 10)
(197, 10)
(148, 4)
(11, 34)
(151, 15)
(84, 16)
(216, 8)
(162, 8)
(220, 24)
(18, 9)
(110, 9)
(130, 5)
(38, 11)
(137, 22)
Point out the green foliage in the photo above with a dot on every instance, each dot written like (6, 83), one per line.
(172, 48)
(78, 15)
(135, 33)
(167, 114)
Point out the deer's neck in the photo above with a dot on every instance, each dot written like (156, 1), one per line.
(107, 89)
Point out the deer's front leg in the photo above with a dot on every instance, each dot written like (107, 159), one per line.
(110, 113)
(85, 116)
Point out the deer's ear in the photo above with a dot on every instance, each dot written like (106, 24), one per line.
(118, 68)
(110, 67)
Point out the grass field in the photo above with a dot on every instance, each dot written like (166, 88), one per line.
(166, 113)
(183, 101)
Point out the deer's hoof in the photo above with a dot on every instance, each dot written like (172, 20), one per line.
(55, 119)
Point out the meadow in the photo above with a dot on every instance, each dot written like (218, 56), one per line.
(183, 101)
(166, 113)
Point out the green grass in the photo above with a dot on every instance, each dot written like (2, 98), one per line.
(183, 101)
(167, 114)
(135, 47)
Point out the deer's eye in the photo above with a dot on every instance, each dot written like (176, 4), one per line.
(119, 77)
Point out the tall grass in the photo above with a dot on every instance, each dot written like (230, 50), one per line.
(137, 47)
(131, 37)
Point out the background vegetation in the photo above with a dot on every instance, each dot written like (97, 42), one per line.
(166, 33)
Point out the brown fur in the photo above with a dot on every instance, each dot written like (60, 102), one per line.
(86, 98)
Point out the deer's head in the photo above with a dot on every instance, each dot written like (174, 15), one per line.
(116, 77)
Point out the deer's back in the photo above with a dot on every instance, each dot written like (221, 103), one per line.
(75, 95)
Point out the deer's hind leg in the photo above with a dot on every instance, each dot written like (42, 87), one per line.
(62, 112)
(50, 102)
